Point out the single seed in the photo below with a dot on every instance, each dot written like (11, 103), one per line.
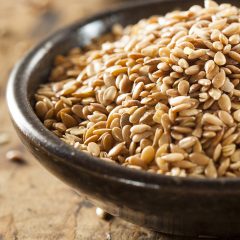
(224, 103)
(226, 118)
(235, 156)
(41, 109)
(140, 128)
(173, 157)
(187, 142)
(236, 115)
(183, 87)
(211, 119)
(68, 120)
(15, 156)
(93, 148)
(220, 59)
(199, 158)
(102, 214)
(109, 95)
(148, 154)
(219, 80)
(116, 149)
(210, 170)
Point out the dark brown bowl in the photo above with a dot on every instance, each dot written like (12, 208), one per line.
(181, 206)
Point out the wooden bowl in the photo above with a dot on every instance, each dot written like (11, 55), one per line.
(181, 206)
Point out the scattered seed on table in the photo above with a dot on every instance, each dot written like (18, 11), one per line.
(15, 156)
(102, 214)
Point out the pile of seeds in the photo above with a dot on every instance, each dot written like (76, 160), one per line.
(161, 95)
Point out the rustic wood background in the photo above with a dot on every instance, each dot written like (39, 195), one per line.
(33, 203)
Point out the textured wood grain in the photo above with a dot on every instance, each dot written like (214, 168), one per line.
(34, 205)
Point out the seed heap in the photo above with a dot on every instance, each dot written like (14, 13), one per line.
(162, 95)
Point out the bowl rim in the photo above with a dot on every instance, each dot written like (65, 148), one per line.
(25, 119)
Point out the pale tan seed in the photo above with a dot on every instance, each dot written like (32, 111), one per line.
(162, 164)
(231, 139)
(215, 93)
(183, 63)
(219, 80)
(107, 142)
(228, 150)
(126, 133)
(60, 127)
(115, 122)
(165, 121)
(211, 119)
(137, 90)
(233, 28)
(218, 46)
(140, 128)
(78, 110)
(135, 117)
(157, 117)
(101, 213)
(116, 150)
(204, 82)
(140, 136)
(220, 59)
(197, 54)
(209, 66)
(183, 87)
(208, 4)
(224, 103)
(211, 171)
(94, 149)
(150, 51)
(136, 160)
(184, 164)
(116, 70)
(181, 107)
(235, 166)
(163, 149)
(234, 55)
(148, 154)
(93, 138)
(236, 115)
(217, 152)
(109, 95)
(199, 158)
(218, 24)
(192, 70)
(15, 156)
(226, 118)
(117, 134)
(83, 92)
(101, 131)
(179, 100)
(209, 134)
(223, 167)
(173, 157)
(187, 142)
(235, 157)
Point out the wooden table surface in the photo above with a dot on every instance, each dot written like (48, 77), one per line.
(33, 203)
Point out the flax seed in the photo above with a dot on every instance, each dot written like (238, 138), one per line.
(160, 96)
